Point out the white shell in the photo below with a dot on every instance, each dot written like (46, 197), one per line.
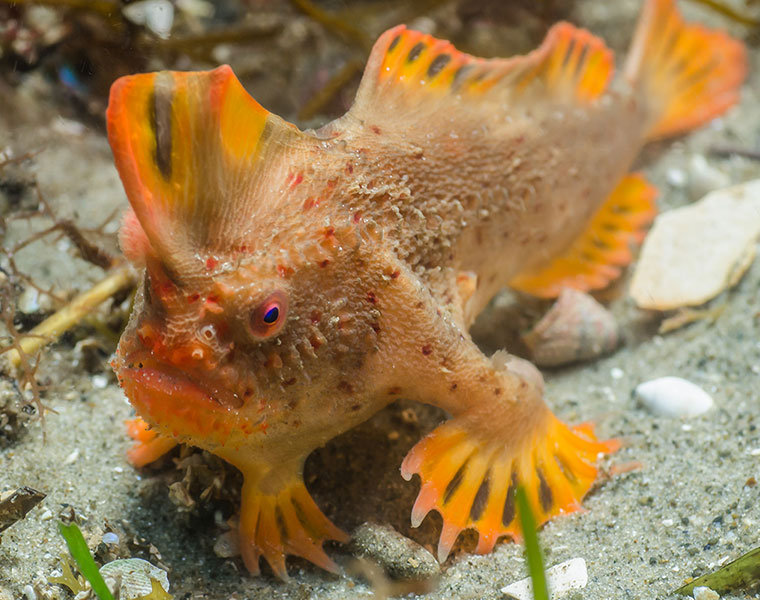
(135, 575)
(694, 253)
(561, 579)
(673, 397)
(705, 593)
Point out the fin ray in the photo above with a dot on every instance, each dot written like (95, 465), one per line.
(689, 74)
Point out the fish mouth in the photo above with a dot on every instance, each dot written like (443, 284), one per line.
(177, 404)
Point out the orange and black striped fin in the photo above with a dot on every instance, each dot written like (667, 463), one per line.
(596, 257)
(408, 67)
(687, 73)
(471, 480)
(190, 148)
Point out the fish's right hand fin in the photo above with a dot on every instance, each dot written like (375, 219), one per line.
(688, 74)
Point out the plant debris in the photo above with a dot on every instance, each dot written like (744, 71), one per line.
(741, 574)
(14, 505)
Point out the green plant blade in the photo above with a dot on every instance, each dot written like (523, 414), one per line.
(85, 563)
(740, 574)
(532, 549)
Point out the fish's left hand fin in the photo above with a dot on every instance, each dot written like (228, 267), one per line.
(149, 445)
(596, 257)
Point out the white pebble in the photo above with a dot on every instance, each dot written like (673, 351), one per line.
(99, 382)
(754, 452)
(676, 177)
(668, 522)
(705, 593)
(673, 397)
(561, 579)
(71, 458)
(156, 15)
(29, 592)
(617, 373)
(110, 538)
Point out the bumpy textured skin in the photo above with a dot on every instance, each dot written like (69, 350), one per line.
(381, 236)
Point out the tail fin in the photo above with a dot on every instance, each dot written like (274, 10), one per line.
(688, 74)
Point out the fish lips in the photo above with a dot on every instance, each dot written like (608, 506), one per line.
(178, 404)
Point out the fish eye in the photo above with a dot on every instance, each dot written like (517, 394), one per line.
(268, 317)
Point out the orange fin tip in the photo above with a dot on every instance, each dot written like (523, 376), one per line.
(405, 65)
(597, 255)
(471, 482)
(688, 73)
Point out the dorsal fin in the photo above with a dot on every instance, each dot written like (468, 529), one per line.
(571, 65)
(191, 149)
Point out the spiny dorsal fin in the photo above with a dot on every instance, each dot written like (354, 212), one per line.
(571, 65)
(191, 150)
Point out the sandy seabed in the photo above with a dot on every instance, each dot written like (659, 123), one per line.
(689, 508)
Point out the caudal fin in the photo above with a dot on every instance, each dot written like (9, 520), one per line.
(688, 74)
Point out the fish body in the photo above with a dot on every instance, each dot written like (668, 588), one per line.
(298, 282)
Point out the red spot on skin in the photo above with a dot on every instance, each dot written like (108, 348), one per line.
(454, 386)
(371, 297)
(331, 184)
(263, 427)
(324, 263)
(375, 129)
(427, 349)
(349, 168)
(395, 274)
(289, 382)
(394, 391)
(345, 387)
(298, 179)
(211, 263)
(310, 202)
(357, 216)
(329, 232)
(193, 298)
(316, 316)
(284, 271)
(375, 327)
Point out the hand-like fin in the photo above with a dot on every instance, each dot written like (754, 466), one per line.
(192, 150)
(594, 259)
(688, 74)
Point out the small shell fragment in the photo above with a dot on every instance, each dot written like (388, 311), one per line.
(694, 253)
(576, 328)
(133, 575)
(560, 579)
(673, 397)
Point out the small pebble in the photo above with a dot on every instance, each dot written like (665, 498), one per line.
(617, 373)
(110, 538)
(676, 177)
(72, 457)
(673, 397)
(29, 592)
(99, 382)
(400, 557)
(705, 593)
(156, 15)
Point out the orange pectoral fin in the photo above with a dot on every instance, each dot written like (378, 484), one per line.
(149, 445)
(471, 479)
(595, 258)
